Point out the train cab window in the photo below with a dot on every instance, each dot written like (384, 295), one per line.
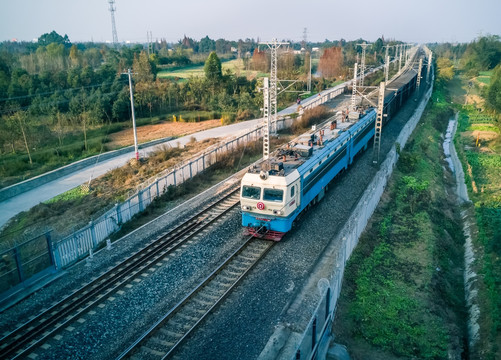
(292, 192)
(251, 192)
(273, 195)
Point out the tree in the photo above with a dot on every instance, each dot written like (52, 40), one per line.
(19, 118)
(378, 45)
(74, 56)
(494, 91)
(142, 68)
(445, 69)
(259, 61)
(484, 53)
(53, 37)
(212, 68)
(331, 62)
(206, 45)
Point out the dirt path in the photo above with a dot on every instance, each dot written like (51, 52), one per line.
(158, 131)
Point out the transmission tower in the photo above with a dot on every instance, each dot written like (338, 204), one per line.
(364, 46)
(149, 36)
(305, 38)
(113, 27)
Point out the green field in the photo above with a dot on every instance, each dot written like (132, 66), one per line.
(484, 77)
(236, 66)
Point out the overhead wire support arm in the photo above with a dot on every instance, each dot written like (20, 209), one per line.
(378, 124)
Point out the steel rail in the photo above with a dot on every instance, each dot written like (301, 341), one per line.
(225, 278)
(24, 338)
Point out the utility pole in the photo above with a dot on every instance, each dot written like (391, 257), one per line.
(113, 27)
(133, 114)
(305, 38)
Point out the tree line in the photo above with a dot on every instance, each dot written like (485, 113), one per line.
(482, 54)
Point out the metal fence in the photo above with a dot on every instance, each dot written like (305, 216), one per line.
(347, 239)
(81, 243)
(24, 261)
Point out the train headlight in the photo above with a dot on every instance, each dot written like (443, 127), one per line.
(278, 212)
(246, 207)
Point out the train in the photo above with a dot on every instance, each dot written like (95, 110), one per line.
(275, 192)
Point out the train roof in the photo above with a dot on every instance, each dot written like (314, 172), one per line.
(291, 156)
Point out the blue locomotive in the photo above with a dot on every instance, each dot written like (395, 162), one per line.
(276, 191)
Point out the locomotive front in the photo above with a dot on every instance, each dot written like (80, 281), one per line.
(268, 200)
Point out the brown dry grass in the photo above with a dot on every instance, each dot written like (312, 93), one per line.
(151, 132)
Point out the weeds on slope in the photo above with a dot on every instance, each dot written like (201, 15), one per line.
(403, 289)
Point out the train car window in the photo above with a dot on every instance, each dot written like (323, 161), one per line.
(292, 192)
(251, 192)
(273, 195)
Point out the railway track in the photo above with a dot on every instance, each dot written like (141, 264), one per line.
(29, 336)
(164, 337)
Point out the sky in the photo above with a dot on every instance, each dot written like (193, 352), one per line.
(421, 21)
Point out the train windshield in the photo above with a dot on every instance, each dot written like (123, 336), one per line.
(273, 195)
(251, 192)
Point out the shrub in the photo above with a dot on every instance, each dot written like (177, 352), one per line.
(310, 117)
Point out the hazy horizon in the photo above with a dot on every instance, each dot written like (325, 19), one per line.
(432, 21)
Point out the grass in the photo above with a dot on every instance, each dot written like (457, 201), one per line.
(482, 127)
(403, 288)
(235, 66)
